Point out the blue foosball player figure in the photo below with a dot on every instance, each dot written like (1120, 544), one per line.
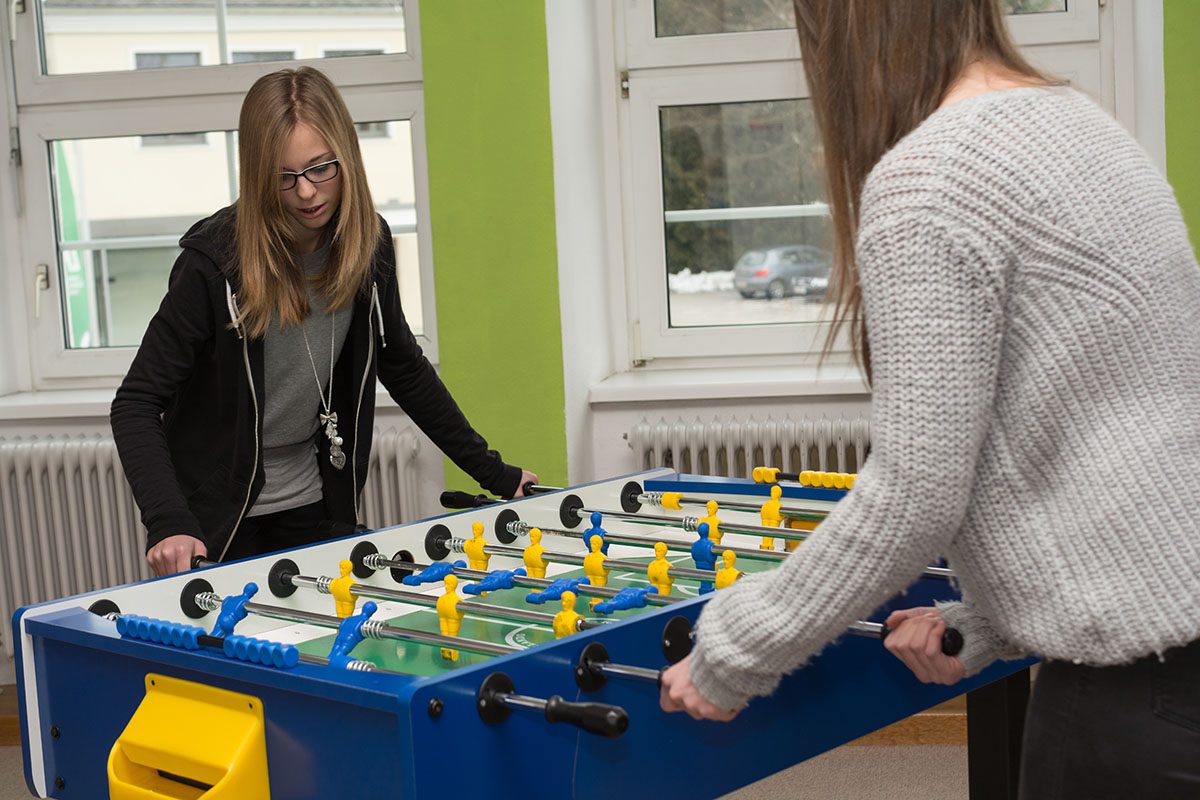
(495, 581)
(349, 635)
(704, 554)
(596, 530)
(434, 573)
(555, 590)
(629, 597)
(233, 610)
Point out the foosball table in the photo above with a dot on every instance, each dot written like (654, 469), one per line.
(509, 649)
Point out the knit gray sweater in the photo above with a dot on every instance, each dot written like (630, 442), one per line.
(1033, 308)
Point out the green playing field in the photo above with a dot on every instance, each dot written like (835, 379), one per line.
(422, 659)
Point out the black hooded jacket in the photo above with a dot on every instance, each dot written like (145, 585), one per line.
(187, 419)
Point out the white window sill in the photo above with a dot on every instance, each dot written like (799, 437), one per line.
(56, 404)
(737, 383)
(91, 403)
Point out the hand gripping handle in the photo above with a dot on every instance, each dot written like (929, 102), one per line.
(952, 640)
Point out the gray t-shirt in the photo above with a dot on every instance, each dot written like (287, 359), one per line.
(290, 422)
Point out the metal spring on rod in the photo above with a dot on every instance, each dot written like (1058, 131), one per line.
(360, 666)
(653, 498)
(323, 584)
(209, 601)
(691, 523)
(517, 527)
(374, 561)
(372, 629)
(457, 545)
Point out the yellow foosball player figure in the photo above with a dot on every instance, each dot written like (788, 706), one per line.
(449, 615)
(343, 600)
(659, 571)
(535, 565)
(566, 621)
(728, 574)
(474, 548)
(714, 524)
(593, 567)
(771, 518)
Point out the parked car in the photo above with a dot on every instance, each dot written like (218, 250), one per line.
(779, 272)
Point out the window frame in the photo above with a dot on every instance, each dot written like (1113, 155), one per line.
(679, 70)
(166, 101)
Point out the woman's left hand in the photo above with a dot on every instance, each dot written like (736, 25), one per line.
(526, 478)
(678, 693)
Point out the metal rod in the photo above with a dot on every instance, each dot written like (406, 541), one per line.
(686, 524)
(524, 701)
(429, 601)
(627, 671)
(378, 630)
(525, 580)
(655, 499)
(761, 555)
(645, 541)
(863, 628)
(609, 563)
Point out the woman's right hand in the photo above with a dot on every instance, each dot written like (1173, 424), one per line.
(174, 554)
(916, 639)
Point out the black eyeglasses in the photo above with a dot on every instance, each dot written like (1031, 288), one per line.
(317, 173)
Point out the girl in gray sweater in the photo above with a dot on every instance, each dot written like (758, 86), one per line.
(1020, 286)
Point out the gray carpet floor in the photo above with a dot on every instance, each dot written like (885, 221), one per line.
(848, 773)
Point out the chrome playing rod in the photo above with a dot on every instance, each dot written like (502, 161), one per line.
(430, 601)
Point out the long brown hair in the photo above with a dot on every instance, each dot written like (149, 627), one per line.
(272, 282)
(876, 70)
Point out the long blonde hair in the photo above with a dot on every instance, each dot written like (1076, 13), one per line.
(876, 70)
(272, 282)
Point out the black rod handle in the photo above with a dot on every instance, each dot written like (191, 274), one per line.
(465, 500)
(952, 640)
(601, 719)
(530, 488)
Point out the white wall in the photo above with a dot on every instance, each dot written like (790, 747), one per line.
(581, 192)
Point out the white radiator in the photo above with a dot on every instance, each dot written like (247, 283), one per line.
(734, 447)
(68, 523)
(391, 495)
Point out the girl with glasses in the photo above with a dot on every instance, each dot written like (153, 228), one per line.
(1019, 282)
(244, 425)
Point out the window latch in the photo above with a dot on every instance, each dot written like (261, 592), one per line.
(41, 283)
(14, 7)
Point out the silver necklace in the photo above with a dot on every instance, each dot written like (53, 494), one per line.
(327, 417)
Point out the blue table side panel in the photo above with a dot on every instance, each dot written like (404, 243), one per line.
(851, 689)
(311, 740)
(318, 729)
(704, 485)
(19, 664)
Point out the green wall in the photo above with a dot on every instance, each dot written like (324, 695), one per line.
(1181, 65)
(491, 197)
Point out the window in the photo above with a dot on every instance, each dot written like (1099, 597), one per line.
(127, 116)
(259, 56)
(726, 229)
(366, 130)
(164, 61)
